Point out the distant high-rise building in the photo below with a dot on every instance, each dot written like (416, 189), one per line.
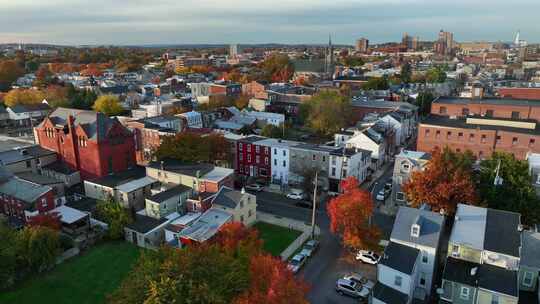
(234, 50)
(415, 41)
(362, 45)
(410, 42)
(445, 44)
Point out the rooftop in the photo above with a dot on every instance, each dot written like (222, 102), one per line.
(23, 154)
(431, 225)
(169, 193)
(469, 226)
(389, 295)
(206, 226)
(136, 184)
(228, 197)
(489, 101)
(530, 249)
(400, 257)
(502, 232)
(483, 123)
(120, 178)
(144, 224)
(25, 191)
(38, 179)
(69, 215)
(179, 167)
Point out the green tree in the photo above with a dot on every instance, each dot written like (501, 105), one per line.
(328, 112)
(10, 70)
(435, 75)
(8, 257)
(191, 148)
(38, 247)
(406, 73)
(353, 61)
(80, 99)
(423, 102)
(273, 131)
(515, 193)
(376, 83)
(116, 216)
(108, 104)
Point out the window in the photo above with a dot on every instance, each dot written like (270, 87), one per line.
(448, 135)
(257, 149)
(458, 150)
(265, 150)
(284, 153)
(397, 281)
(498, 138)
(437, 134)
(415, 230)
(514, 141)
(240, 146)
(442, 110)
(471, 137)
(400, 196)
(465, 111)
(249, 213)
(425, 258)
(422, 279)
(531, 142)
(515, 115)
(241, 156)
(344, 173)
(489, 113)
(464, 293)
(249, 157)
(241, 169)
(333, 171)
(426, 133)
(314, 157)
(333, 160)
(528, 278)
(266, 160)
(28, 164)
(405, 166)
(483, 138)
(257, 159)
(460, 135)
(275, 151)
(249, 148)
(284, 164)
(494, 299)
(455, 250)
(241, 218)
(275, 162)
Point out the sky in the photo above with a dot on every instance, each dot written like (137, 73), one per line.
(121, 22)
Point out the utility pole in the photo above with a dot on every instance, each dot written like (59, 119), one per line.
(314, 206)
(498, 179)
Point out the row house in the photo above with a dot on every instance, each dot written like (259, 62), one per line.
(406, 162)
(408, 268)
(483, 259)
(306, 157)
(280, 159)
(87, 141)
(22, 116)
(253, 158)
(347, 162)
(27, 159)
(21, 199)
(481, 135)
(148, 137)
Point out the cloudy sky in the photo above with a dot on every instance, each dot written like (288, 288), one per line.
(261, 21)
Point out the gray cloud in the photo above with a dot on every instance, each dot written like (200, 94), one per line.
(243, 21)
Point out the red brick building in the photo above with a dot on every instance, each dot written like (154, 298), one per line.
(20, 199)
(87, 141)
(489, 107)
(253, 160)
(520, 93)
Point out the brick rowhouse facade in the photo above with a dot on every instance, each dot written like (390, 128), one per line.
(13, 206)
(87, 141)
(253, 160)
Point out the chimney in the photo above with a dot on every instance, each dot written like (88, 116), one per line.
(477, 91)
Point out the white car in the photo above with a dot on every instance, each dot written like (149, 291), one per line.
(254, 187)
(296, 263)
(381, 195)
(359, 279)
(368, 257)
(296, 195)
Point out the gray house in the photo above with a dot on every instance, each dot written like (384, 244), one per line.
(305, 157)
(406, 162)
(166, 202)
(529, 264)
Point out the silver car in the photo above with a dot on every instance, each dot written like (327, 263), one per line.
(351, 288)
(359, 279)
(310, 247)
(297, 262)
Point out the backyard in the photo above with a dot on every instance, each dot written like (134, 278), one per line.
(84, 279)
(275, 238)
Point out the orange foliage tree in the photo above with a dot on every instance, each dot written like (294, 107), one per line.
(445, 182)
(272, 283)
(235, 234)
(350, 214)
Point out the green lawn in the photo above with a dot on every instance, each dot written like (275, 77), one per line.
(83, 279)
(276, 238)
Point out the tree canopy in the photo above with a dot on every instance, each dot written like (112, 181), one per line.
(350, 214)
(116, 216)
(376, 83)
(278, 68)
(423, 102)
(327, 112)
(405, 73)
(191, 147)
(446, 181)
(435, 75)
(108, 105)
(10, 70)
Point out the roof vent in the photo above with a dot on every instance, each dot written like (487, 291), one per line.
(473, 271)
(24, 152)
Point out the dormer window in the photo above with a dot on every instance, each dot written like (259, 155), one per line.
(415, 230)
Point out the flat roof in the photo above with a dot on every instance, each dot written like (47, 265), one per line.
(206, 226)
(488, 101)
(469, 226)
(461, 123)
(218, 173)
(136, 184)
(23, 154)
(167, 194)
(502, 232)
(530, 249)
(120, 178)
(69, 215)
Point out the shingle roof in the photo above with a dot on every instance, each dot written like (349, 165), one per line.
(23, 190)
(167, 194)
(492, 101)
(502, 234)
(120, 178)
(144, 224)
(183, 168)
(23, 154)
(400, 257)
(30, 108)
(530, 249)
(460, 271)
(389, 295)
(431, 225)
(228, 197)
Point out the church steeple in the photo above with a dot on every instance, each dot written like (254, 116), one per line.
(329, 59)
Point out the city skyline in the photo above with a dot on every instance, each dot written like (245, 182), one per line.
(130, 22)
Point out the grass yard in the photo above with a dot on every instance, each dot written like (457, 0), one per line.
(276, 238)
(83, 279)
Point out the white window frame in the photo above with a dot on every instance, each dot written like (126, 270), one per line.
(464, 293)
(528, 275)
(398, 281)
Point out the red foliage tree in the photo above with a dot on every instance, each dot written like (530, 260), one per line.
(350, 215)
(445, 182)
(272, 283)
(50, 220)
(235, 234)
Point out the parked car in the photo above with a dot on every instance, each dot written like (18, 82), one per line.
(368, 257)
(310, 247)
(296, 262)
(381, 195)
(296, 195)
(254, 187)
(351, 288)
(359, 279)
(387, 188)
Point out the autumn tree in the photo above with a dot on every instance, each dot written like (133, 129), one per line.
(327, 112)
(445, 182)
(10, 70)
(50, 220)
(108, 104)
(43, 76)
(376, 83)
(273, 131)
(191, 147)
(435, 75)
(241, 101)
(38, 247)
(515, 192)
(278, 68)
(114, 215)
(23, 97)
(350, 214)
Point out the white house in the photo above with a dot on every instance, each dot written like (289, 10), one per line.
(194, 119)
(371, 140)
(241, 205)
(275, 119)
(279, 158)
(396, 275)
(347, 162)
(420, 229)
(392, 119)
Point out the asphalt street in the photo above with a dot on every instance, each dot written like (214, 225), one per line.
(331, 261)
